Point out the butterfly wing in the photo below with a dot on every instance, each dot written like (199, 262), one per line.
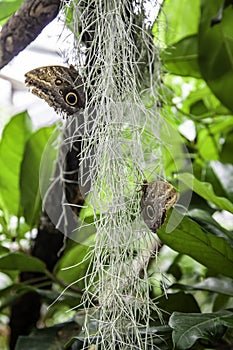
(157, 198)
(59, 86)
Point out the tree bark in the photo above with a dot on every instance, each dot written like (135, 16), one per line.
(24, 26)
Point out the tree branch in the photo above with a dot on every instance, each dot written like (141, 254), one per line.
(24, 26)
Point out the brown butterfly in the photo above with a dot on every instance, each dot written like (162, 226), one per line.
(157, 198)
(61, 87)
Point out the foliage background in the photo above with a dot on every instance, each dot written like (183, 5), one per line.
(197, 257)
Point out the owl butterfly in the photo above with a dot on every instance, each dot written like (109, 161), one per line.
(59, 86)
(157, 198)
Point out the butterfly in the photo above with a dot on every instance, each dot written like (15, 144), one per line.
(157, 198)
(61, 87)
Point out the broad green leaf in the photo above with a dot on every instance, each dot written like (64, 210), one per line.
(73, 265)
(180, 301)
(212, 177)
(29, 179)
(226, 153)
(202, 102)
(208, 144)
(207, 222)
(182, 57)
(189, 327)
(205, 190)
(213, 252)
(222, 301)
(209, 138)
(21, 262)
(216, 285)
(158, 335)
(224, 174)
(3, 250)
(198, 108)
(216, 50)
(14, 138)
(50, 338)
(173, 149)
(8, 8)
(211, 284)
(11, 293)
(221, 125)
(177, 20)
(22, 229)
(48, 161)
(3, 221)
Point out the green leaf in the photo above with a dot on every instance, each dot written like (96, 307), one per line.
(182, 57)
(48, 161)
(226, 154)
(198, 108)
(29, 180)
(21, 262)
(51, 338)
(177, 20)
(8, 8)
(209, 138)
(205, 190)
(3, 250)
(222, 285)
(223, 174)
(173, 153)
(212, 177)
(213, 252)
(73, 265)
(11, 293)
(216, 50)
(222, 125)
(202, 102)
(180, 301)
(22, 229)
(14, 138)
(207, 222)
(221, 302)
(216, 285)
(208, 144)
(188, 328)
